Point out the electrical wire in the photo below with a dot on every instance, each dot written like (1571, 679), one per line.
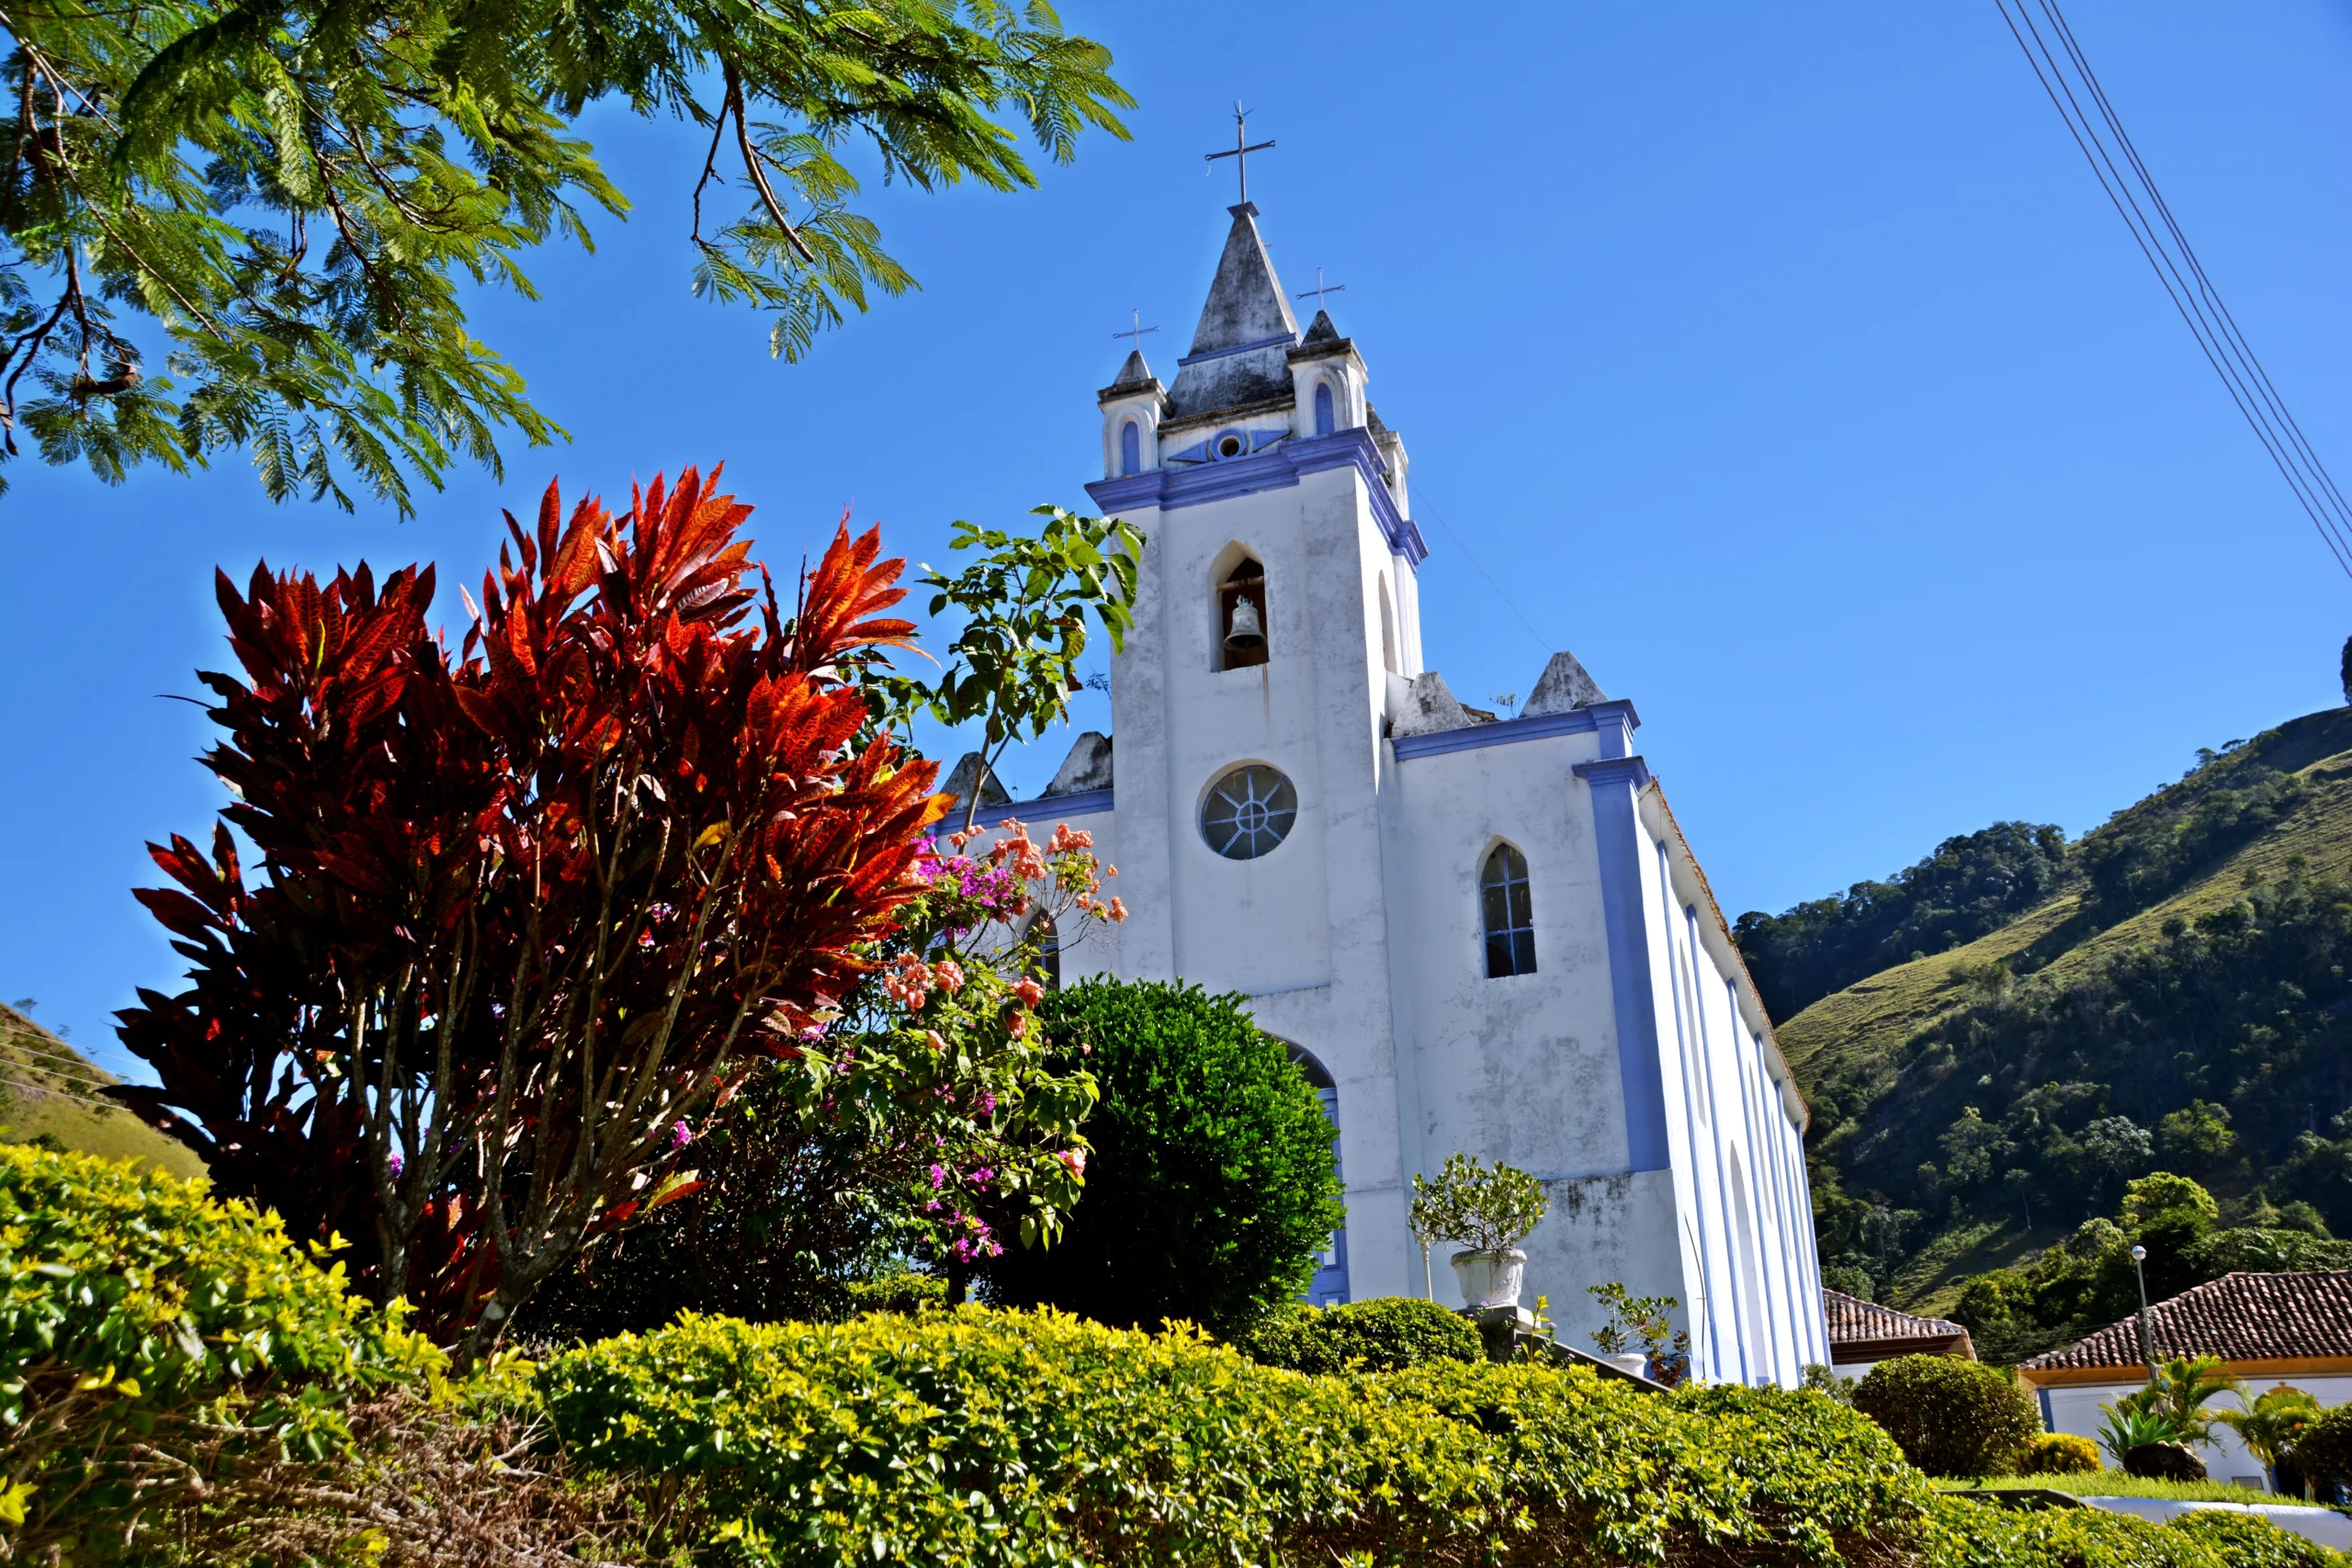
(2177, 266)
(76, 1066)
(1421, 493)
(51, 1089)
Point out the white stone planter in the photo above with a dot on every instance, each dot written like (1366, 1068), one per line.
(1634, 1361)
(1490, 1279)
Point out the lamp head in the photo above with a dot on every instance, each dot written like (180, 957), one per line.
(2139, 1254)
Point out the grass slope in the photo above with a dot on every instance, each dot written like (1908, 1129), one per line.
(1874, 1019)
(47, 1087)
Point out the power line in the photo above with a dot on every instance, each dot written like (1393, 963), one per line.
(2177, 267)
(52, 1088)
(1473, 559)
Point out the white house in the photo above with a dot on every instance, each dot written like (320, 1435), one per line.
(2272, 1330)
(1479, 934)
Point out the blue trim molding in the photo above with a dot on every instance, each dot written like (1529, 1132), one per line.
(1613, 720)
(1617, 835)
(1169, 489)
(1078, 803)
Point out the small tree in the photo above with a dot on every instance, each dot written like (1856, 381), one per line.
(1950, 1417)
(2272, 1424)
(1488, 1208)
(531, 913)
(1643, 1320)
(1212, 1188)
(1013, 665)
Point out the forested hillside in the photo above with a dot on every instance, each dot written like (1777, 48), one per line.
(1998, 1041)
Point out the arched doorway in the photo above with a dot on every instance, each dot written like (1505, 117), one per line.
(1330, 1286)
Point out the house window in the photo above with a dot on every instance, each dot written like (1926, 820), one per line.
(1324, 423)
(1248, 812)
(1046, 960)
(1130, 449)
(1242, 638)
(1509, 914)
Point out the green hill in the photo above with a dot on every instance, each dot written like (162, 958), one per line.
(2168, 993)
(49, 1088)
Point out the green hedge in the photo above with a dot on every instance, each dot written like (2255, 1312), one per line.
(1386, 1334)
(1966, 1534)
(155, 1343)
(984, 1438)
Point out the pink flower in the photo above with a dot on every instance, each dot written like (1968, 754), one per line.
(932, 1038)
(679, 1134)
(1118, 910)
(1076, 1160)
(1028, 990)
(949, 975)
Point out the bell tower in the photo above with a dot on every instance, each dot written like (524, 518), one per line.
(1276, 628)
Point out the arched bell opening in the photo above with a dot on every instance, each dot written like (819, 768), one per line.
(1242, 622)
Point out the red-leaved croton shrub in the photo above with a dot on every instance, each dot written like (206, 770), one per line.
(524, 916)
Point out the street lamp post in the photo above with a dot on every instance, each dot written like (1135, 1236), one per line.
(2147, 1350)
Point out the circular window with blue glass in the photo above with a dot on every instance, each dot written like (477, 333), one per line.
(1250, 810)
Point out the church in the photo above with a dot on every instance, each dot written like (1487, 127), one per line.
(1476, 934)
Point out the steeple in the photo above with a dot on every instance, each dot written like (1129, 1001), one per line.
(1246, 327)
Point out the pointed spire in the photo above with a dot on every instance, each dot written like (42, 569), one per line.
(1246, 328)
(1321, 330)
(1134, 373)
(1246, 303)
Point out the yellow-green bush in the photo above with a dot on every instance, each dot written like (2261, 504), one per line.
(1383, 1335)
(154, 1341)
(2058, 1453)
(982, 1438)
(1968, 1534)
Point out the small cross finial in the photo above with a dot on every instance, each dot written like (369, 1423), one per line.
(1321, 288)
(1240, 150)
(1138, 330)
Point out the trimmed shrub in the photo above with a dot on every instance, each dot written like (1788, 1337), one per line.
(2324, 1452)
(983, 1437)
(2058, 1453)
(1950, 1417)
(155, 1343)
(2246, 1541)
(1965, 1533)
(1212, 1187)
(1384, 1334)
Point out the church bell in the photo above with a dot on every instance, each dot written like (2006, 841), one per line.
(1245, 635)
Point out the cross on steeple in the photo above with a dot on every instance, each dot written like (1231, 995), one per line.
(1137, 332)
(1320, 289)
(1240, 150)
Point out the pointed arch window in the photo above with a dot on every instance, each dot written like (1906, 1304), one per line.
(1242, 639)
(1324, 422)
(1130, 449)
(1509, 912)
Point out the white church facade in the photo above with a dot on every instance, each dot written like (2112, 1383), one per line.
(1479, 934)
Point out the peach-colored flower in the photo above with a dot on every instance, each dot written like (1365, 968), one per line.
(1029, 991)
(930, 1038)
(1075, 1159)
(949, 975)
(1118, 910)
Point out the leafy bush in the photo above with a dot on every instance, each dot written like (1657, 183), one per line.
(1383, 1335)
(2167, 1461)
(2246, 1541)
(2323, 1450)
(2058, 1453)
(154, 1342)
(1966, 1534)
(1950, 1417)
(976, 1436)
(1212, 1187)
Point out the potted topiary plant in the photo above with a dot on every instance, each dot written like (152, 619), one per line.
(1492, 1208)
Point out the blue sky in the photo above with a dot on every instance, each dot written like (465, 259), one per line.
(1785, 363)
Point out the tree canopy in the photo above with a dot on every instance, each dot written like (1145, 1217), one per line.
(246, 223)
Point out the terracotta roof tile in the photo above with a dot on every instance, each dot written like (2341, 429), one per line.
(2239, 1317)
(1852, 1318)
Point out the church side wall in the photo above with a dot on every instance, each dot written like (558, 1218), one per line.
(1524, 1068)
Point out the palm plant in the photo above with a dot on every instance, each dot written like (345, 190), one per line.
(2181, 1387)
(2269, 1426)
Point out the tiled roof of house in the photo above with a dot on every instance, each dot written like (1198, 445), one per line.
(1855, 1321)
(2239, 1317)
